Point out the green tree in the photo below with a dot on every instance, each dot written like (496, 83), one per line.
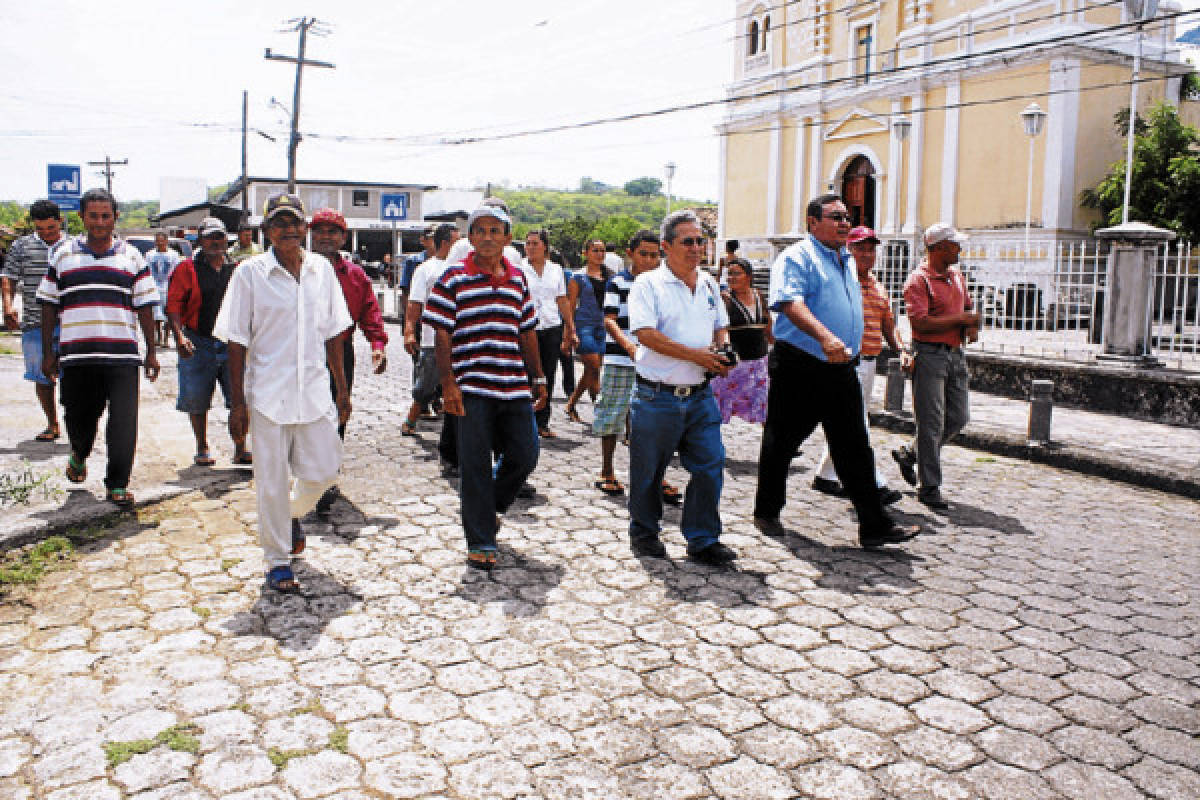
(568, 235)
(643, 186)
(1166, 175)
(589, 186)
(616, 230)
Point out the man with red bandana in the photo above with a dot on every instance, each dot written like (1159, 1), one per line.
(329, 231)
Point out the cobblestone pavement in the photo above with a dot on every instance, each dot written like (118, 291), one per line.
(1040, 641)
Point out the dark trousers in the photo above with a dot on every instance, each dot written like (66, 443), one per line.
(86, 390)
(567, 362)
(348, 366)
(448, 440)
(549, 345)
(805, 392)
(506, 426)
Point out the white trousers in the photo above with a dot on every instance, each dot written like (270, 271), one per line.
(866, 380)
(293, 466)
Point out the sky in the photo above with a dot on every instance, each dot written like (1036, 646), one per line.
(160, 84)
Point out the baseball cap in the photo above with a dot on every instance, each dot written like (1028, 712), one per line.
(328, 216)
(283, 204)
(211, 225)
(488, 211)
(862, 234)
(941, 232)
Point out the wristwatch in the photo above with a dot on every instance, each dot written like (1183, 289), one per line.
(539, 381)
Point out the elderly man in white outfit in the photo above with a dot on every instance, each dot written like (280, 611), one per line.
(284, 318)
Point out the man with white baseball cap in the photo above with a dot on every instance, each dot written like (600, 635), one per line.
(943, 319)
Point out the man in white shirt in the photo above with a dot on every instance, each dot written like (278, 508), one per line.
(284, 317)
(425, 378)
(677, 315)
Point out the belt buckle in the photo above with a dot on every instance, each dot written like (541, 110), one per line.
(682, 392)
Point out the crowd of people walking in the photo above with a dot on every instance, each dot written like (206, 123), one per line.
(669, 353)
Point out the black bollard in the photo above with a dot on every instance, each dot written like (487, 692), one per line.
(1041, 405)
(893, 397)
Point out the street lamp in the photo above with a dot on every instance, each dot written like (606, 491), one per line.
(1033, 118)
(670, 168)
(1142, 11)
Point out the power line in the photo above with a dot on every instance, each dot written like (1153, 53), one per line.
(107, 172)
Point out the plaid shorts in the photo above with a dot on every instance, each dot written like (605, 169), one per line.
(612, 406)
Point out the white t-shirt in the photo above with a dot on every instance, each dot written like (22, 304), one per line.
(545, 291)
(662, 301)
(423, 279)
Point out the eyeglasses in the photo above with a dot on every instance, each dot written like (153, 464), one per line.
(837, 216)
(691, 241)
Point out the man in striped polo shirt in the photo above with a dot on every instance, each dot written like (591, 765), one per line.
(486, 350)
(101, 289)
(616, 381)
(26, 265)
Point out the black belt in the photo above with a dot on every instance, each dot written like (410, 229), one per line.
(867, 358)
(678, 391)
(939, 345)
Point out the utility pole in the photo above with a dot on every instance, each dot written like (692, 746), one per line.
(245, 188)
(303, 25)
(107, 172)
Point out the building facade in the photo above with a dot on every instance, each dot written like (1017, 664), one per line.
(910, 109)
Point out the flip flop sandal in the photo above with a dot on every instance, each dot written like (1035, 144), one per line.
(610, 486)
(281, 579)
(408, 429)
(299, 540)
(203, 459)
(671, 494)
(546, 433)
(573, 415)
(481, 559)
(48, 435)
(76, 470)
(121, 498)
(244, 459)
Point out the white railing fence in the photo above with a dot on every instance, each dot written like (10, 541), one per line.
(1048, 301)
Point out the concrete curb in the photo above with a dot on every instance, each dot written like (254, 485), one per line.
(1076, 458)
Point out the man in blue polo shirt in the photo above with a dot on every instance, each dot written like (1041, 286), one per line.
(818, 328)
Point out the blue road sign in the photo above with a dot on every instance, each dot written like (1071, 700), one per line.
(62, 181)
(393, 206)
(65, 203)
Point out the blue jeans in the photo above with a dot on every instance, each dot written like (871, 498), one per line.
(662, 425)
(506, 426)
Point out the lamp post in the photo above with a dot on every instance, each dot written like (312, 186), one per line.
(670, 168)
(1033, 118)
(1142, 11)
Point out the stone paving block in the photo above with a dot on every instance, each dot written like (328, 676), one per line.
(94, 790)
(1018, 749)
(831, 781)
(406, 775)
(1085, 782)
(660, 777)
(746, 779)
(915, 781)
(858, 748)
(1168, 745)
(943, 750)
(321, 774)
(492, 777)
(952, 716)
(1094, 747)
(696, 746)
(154, 769)
(999, 782)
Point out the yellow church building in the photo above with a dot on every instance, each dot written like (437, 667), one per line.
(911, 110)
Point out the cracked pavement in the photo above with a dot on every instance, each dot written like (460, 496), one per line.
(1039, 641)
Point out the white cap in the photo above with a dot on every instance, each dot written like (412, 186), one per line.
(941, 232)
(489, 211)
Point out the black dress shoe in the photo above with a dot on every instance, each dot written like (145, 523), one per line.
(715, 554)
(933, 498)
(526, 490)
(649, 547)
(906, 460)
(771, 526)
(894, 534)
(826, 486)
(327, 499)
(888, 495)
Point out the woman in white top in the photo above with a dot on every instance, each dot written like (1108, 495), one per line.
(548, 289)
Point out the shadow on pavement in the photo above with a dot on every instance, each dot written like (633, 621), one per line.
(36, 452)
(968, 516)
(295, 620)
(850, 568)
(521, 583)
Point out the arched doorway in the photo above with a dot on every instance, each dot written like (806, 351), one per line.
(858, 191)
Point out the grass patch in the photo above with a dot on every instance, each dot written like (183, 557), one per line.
(177, 737)
(242, 706)
(22, 484)
(985, 460)
(180, 737)
(202, 612)
(229, 563)
(280, 758)
(117, 753)
(339, 738)
(311, 707)
(27, 564)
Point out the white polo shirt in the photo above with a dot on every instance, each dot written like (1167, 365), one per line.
(423, 279)
(545, 289)
(662, 301)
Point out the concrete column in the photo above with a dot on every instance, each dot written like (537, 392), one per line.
(774, 165)
(1129, 293)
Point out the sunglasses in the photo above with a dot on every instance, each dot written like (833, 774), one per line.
(838, 216)
(691, 241)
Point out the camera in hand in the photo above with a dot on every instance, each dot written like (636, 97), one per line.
(727, 355)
